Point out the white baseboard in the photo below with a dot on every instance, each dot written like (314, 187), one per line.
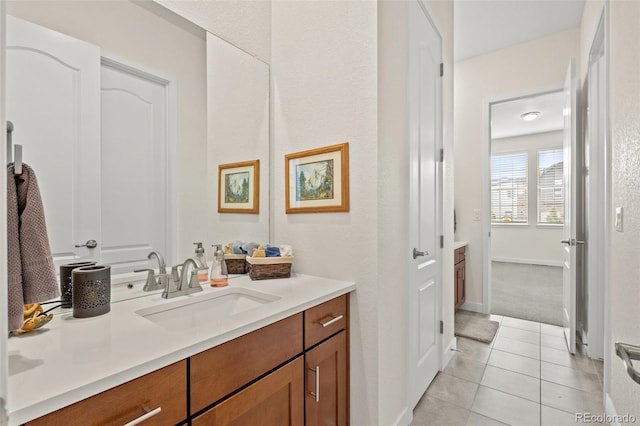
(610, 410)
(543, 262)
(473, 307)
(448, 353)
(405, 418)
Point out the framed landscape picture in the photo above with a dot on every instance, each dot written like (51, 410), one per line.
(317, 180)
(239, 187)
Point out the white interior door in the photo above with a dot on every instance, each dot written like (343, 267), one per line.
(53, 100)
(569, 242)
(425, 133)
(134, 183)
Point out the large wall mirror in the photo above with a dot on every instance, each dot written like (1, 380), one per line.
(125, 110)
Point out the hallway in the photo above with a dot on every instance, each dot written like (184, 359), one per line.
(524, 377)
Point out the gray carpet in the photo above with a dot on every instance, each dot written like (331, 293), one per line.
(473, 326)
(530, 292)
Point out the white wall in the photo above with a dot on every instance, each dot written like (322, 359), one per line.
(542, 242)
(133, 34)
(624, 284)
(527, 68)
(245, 24)
(4, 367)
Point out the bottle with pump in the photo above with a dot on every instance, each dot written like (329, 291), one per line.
(201, 260)
(218, 274)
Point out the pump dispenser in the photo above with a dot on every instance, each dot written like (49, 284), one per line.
(218, 275)
(201, 260)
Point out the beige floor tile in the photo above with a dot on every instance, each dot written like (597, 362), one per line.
(527, 336)
(516, 347)
(518, 363)
(570, 377)
(570, 399)
(521, 324)
(433, 411)
(476, 419)
(554, 417)
(552, 330)
(506, 408)
(497, 318)
(452, 389)
(465, 368)
(512, 383)
(473, 350)
(563, 357)
(555, 342)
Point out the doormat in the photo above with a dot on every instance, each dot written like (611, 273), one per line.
(474, 327)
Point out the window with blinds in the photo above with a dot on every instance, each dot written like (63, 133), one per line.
(550, 186)
(509, 188)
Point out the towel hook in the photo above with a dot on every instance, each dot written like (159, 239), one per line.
(14, 153)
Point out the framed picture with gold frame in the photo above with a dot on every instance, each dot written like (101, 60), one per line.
(317, 180)
(239, 187)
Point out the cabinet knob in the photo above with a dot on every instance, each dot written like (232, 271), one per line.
(417, 253)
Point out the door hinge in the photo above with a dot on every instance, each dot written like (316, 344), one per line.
(441, 241)
(441, 155)
(441, 327)
(441, 69)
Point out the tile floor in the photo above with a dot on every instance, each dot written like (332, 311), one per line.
(524, 377)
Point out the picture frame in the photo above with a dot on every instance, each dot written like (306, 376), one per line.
(239, 187)
(317, 180)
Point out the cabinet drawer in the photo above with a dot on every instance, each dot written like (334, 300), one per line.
(165, 388)
(276, 399)
(324, 320)
(459, 255)
(219, 371)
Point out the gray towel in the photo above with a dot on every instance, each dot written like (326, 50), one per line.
(32, 277)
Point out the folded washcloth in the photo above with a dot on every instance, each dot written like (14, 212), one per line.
(272, 251)
(286, 250)
(237, 247)
(248, 248)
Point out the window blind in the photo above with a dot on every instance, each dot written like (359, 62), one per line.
(509, 188)
(550, 186)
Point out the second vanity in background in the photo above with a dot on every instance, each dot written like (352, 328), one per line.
(459, 290)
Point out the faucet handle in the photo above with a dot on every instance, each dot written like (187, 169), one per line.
(151, 284)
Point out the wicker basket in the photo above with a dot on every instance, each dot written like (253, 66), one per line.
(236, 263)
(264, 268)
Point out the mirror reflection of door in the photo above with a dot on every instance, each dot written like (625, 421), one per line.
(527, 207)
(97, 138)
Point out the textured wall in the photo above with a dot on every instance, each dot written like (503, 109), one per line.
(245, 24)
(624, 284)
(324, 80)
(527, 68)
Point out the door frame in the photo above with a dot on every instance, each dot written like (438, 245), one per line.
(4, 364)
(171, 181)
(485, 307)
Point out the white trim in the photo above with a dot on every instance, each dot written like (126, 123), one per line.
(449, 352)
(543, 262)
(610, 409)
(405, 418)
(4, 364)
(473, 307)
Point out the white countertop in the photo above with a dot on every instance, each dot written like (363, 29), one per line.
(458, 244)
(70, 359)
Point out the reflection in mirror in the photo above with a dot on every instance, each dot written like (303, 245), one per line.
(109, 101)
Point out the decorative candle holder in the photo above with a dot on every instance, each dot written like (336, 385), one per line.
(65, 280)
(91, 289)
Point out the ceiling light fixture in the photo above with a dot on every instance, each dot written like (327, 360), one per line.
(530, 116)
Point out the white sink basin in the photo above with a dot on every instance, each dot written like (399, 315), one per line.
(203, 309)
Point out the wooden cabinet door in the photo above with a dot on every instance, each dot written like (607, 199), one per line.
(459, 284)
(326, 390)
(274, 400)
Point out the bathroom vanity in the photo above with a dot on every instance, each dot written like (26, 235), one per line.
(280, 352)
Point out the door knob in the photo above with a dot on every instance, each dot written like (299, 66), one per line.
(417, 253)
(89, 244)
(567, 242)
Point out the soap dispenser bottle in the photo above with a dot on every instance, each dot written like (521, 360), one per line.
(201, 260)
(218, 275)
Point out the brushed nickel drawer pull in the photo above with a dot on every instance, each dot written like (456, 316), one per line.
(331, 321)
(628, 352)
(144, 417)
(317, 390)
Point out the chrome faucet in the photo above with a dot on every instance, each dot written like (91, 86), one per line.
(162, 267)
(178, 282)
